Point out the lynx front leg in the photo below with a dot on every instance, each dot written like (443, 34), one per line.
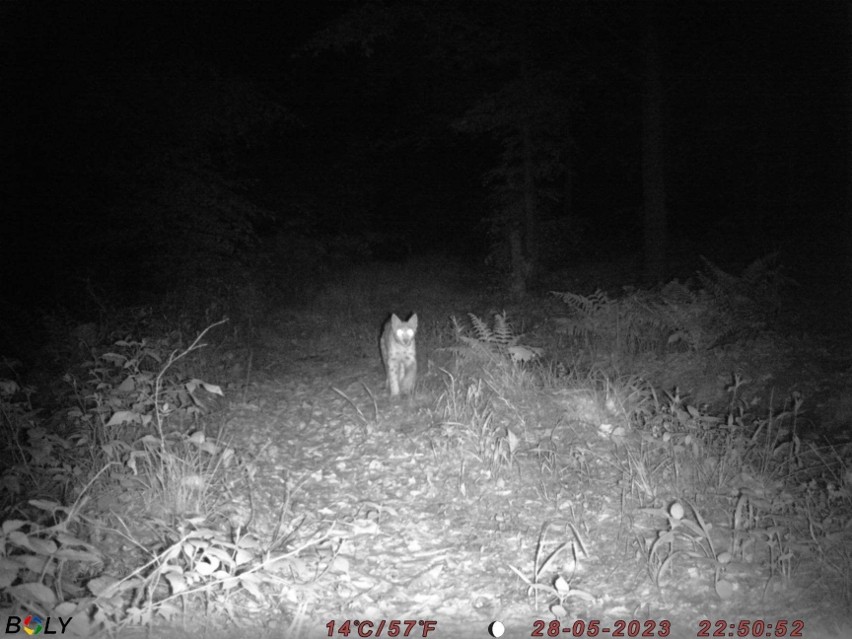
(393, 380)
(410, 378)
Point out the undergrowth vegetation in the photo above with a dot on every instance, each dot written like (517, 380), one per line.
(124, 503)
(118, 508)
(733, 490)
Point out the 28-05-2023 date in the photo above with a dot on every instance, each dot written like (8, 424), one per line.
(653, 628)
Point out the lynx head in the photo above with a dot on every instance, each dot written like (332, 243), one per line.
(403, 332)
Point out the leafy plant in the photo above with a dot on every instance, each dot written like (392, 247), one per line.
(726, 308)
(500, 339)
(556, 582)
(629, 325)
(688, 538)
(133, 383)
(747, 304)
(44, 563)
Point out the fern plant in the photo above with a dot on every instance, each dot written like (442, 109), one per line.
(501, 339)
(748, 304)
(725, 308)
(629, 325)
(689, 315)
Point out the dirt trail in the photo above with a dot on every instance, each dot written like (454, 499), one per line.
(420, 530)
(415, 537)
(391, 514)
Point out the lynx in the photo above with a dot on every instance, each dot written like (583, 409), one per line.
(399, 354)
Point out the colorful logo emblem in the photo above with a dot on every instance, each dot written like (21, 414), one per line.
(32, 624)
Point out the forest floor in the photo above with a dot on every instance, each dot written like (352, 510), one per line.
(681, 492)
(398, 510)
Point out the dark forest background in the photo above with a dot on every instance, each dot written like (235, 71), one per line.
(173, 148)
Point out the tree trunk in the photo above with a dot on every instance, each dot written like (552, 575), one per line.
(529, 262)
(518, 277)
(653, 176)
(568, 183)
(847, 213)
(531, 248)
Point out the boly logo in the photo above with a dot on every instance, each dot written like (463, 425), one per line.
(34, 625)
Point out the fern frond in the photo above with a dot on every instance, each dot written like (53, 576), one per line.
(503, 334)
(500, 341)
(677, 293)
(746, 305)
(458, 331)
(761, 269)
(586, 306)
(481, 329)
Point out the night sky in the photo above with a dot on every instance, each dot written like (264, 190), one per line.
(140, 138)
